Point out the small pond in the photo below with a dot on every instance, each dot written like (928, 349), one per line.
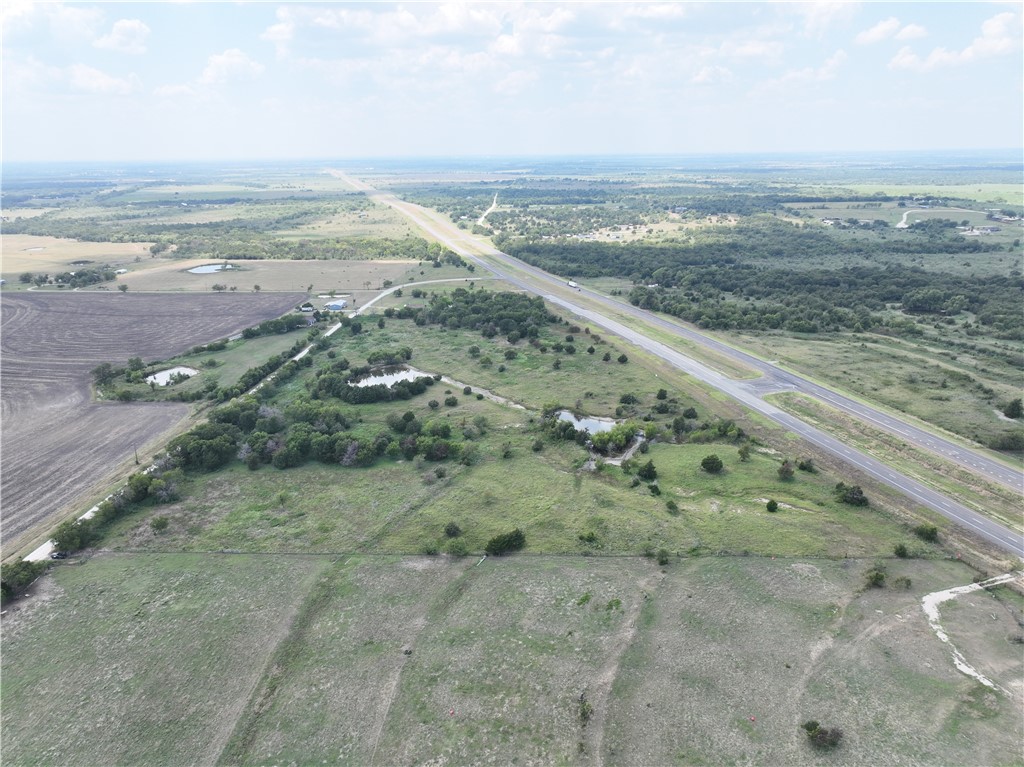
(210, 268)
(391, 376)
(588, 424)
(163, 377)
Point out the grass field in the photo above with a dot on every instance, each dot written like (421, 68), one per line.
(961, 393)
(343, 277)
(241, 659)
(993, 193)
(993, 500)
(562, 507)
(374, 220)
(29, 253)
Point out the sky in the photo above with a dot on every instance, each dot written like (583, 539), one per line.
(98, 81)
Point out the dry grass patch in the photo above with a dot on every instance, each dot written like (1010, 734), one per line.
(30, 253)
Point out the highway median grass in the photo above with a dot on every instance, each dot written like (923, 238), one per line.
(989, 498)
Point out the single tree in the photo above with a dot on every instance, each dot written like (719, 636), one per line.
(647, 472)
(712, 464)
(1015, 409)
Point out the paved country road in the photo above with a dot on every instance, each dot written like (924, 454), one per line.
(749, 393)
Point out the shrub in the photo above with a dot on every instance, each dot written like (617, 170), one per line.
(1015, 409)
(506, 542)
(786, 471)
(875, 577)
(655, 490)
(712, 464)
(807, 464)
(903, 582)
(929, 533)
(433, 404)
(663, 557)
(622, 359)
(457, 548)
(648, 472)
(772, 506)
(822, 737)
(744, 453)
(159, 524)
(451, 401)
(452, 530)
(538, 445)
(851, 494)
(900, 550)
(662, 394)
(673, 507)
(467, 390)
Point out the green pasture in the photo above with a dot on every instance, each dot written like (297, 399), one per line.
(246, 659)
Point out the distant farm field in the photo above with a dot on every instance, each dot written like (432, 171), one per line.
(30, 253)
(58, 445)
(994, 193)
(242, 659)
(294, 276)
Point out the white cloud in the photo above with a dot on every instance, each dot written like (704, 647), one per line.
(999, 35)
(127, 36)
(657, 10)
(15, 13)
(72, 23)
(515, 82)
(89, 80)
(890, 27)
(881, 31)
(911, 32)
(712, 75)
(745, 49)
(819, 16)
(175, 91)
(229, 65)
(827, 71)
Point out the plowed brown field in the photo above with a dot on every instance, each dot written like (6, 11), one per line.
(59, 447)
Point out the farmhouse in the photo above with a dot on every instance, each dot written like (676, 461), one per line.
(336, 305)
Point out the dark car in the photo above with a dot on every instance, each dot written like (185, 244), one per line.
(59, 555)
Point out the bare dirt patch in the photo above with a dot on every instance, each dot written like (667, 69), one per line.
(59, 446)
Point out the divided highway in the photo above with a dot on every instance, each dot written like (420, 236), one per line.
(749, 393)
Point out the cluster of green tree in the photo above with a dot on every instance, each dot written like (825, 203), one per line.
(331, 385)
(77, 279)
(488, 312)
(389, 356)
(760, 239)
(743, 296)
(17, 576)
(156, 486)
(281, 325)
(46, 193)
